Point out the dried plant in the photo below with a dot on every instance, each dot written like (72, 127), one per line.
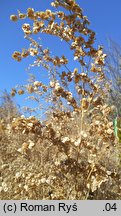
(73, 154)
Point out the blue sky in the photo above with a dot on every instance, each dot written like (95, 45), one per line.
(104, 15)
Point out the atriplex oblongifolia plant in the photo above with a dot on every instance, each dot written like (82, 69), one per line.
(72, 27)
